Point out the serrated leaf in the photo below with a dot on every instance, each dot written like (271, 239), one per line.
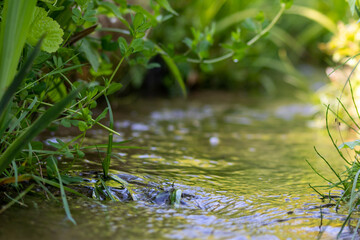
(44, 25)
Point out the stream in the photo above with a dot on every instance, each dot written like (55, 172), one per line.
(240, 164)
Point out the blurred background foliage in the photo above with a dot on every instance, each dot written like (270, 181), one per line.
(289, 56)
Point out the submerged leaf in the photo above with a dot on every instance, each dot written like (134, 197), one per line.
(42, 24)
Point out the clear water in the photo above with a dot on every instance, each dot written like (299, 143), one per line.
(243, 163)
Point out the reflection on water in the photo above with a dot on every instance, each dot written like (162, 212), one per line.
(242, 171)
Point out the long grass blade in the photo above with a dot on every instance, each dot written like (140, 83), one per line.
(16, 20)
(106, 162)
(50, 115)
(332, 140)
(353, 193)
(314, 15)
(62, 191)
(347, 112)
(107, 190)
(21, 195)
(353, 100)
(173, 69)
(9, 93)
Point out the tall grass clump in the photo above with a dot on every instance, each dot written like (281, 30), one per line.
(348, 181)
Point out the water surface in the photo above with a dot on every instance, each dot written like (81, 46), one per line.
(241, 163)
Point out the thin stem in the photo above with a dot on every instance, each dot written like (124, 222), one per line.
(268, 28)
(116, 69)
(249, 43)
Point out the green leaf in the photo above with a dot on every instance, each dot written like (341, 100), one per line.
(90, 53)
(139, 20)
(165, 4)
(123, 46)
(289, 3)
(350, 145)
(114, 87)
(57, 89)
(82, 3)
(137, 45)
(82, 126)
(114, 9)
(66, 123)
(44, 25)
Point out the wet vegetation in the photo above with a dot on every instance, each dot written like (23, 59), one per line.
(68, 66)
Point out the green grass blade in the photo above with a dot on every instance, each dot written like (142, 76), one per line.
(353, 99)
(55, 184)
(63, 195)
(332, 140)
(349, 115)
(45, 189)
(353, 196)
(49, 116)
(106, 188)
(320, 175)
(15, 25)
(173, 69)
(126, 185)
(106, 162)
(314, 15)
(9, 93)
(329, 165)
(22, 194)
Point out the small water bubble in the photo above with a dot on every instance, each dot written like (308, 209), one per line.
(214, 141)
(252, 149)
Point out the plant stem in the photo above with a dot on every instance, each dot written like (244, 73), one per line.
(249, 43)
